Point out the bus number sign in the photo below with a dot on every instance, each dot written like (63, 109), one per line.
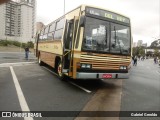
(107, 14)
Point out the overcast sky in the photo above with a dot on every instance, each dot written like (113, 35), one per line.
(144, 14)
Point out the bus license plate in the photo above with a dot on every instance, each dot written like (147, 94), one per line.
(107, 76)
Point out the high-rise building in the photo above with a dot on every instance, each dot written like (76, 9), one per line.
(144, 45)
(139, 43)
(134, 44)
(17, 20)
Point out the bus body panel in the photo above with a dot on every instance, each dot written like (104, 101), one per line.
(102, 63)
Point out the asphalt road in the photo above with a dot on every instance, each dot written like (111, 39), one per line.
(43, 91)
(141, 92)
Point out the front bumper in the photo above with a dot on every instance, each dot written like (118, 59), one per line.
(82, 75)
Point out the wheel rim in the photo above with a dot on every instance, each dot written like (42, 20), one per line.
(39, 60)
(59, 69)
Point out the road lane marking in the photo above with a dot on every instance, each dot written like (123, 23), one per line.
(15, 64)
(84, 89)
(88, 91)
(21, 98)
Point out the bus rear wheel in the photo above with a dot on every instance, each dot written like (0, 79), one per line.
(39, 61)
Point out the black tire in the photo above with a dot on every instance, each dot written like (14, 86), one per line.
(40, 61)
(59, 71)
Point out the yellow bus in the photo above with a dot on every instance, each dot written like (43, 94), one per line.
(87, 43)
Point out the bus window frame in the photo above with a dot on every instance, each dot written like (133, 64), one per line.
(54, 27)
(46, 30)
(59, 25)
(110, 21)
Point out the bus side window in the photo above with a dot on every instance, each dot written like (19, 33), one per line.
(52, 27)
(50, 36)
(41, 38)
(58, 34)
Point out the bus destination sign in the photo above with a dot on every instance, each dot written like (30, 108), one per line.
(107, 14)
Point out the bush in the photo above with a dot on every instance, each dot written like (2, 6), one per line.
(30, 44)
(4, 43)
(24, 45)
(16, 43)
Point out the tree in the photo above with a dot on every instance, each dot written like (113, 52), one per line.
(156, 52)
(30, 44)
(155, 44)
(141, 51)
(138, 51)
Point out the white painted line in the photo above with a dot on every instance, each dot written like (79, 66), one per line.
(69, 82)
(21, 98)
(88, 91)
(50, 70)
(16, 63)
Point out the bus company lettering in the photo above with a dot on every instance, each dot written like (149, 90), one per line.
(122, 19)
(118, 18)
(55, 47)
(109, 16)
(93, 12)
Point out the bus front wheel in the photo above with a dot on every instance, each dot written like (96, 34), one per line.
(59, 71)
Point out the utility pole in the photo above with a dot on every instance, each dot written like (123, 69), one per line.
(64, 6)
(159, 19)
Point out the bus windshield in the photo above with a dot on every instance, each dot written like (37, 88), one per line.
(104, 36)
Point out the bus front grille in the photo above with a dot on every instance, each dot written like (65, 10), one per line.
(106, 62)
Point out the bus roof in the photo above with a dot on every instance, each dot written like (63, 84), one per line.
(83, 6)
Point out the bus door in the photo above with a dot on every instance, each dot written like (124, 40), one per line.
(71, 26)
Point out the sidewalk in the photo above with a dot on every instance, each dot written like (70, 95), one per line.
(13, 55)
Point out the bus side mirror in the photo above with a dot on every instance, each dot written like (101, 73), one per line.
(82, 21)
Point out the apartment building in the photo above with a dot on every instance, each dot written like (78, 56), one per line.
(17, 20)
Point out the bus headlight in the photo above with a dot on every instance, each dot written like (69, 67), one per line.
(86, 66)
(83, 65)
(123, 68)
